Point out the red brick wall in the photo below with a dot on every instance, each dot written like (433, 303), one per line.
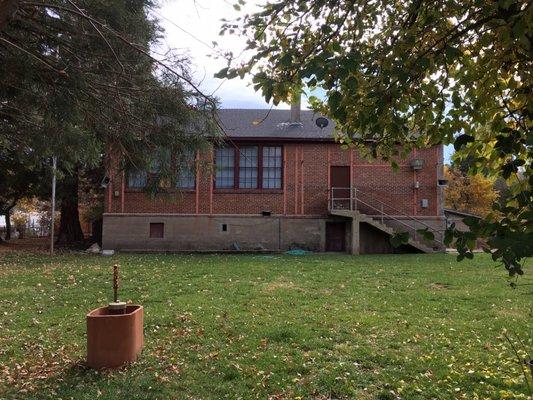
(305, 186)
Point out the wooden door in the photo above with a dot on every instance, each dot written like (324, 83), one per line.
(335, 236)
(340, 178)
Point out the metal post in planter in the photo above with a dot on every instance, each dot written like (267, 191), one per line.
(114, 332)
(117, 306)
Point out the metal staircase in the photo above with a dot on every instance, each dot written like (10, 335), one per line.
(361, 206)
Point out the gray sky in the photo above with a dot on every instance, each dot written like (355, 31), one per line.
(202, 19)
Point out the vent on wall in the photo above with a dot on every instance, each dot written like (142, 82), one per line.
(157, 230)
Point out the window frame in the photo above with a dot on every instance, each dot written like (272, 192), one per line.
(236, 168)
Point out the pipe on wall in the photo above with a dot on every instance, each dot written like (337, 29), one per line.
(212, 156)
(122, 191)
(197, 192)
(302, 179)
(415, 176)
(284, 180)
(295, 180)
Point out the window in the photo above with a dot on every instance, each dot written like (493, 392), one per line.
(187, 172)
(248, 167)
(157, 230)
(185, 179)
(272, 167)
(225, 164)
(137, 179)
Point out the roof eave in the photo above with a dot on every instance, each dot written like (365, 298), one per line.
(277, 139)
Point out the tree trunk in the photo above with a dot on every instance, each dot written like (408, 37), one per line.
(69, 228)
(7, 216)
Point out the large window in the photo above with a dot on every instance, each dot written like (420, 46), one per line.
(225, 164)
(185, 163)
(249, 167)
(272, 167)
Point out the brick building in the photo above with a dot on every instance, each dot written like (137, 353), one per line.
(279, 184)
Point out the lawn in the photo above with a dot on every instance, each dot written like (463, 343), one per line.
(269, 327)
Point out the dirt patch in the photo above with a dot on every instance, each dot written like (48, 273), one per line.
(281, 284)
(31, 245)
(439, 286)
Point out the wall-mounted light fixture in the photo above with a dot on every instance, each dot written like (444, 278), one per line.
(105, 182)
(417, 163)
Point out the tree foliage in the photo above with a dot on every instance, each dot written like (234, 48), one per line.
(413, 72)
(474, 194)
(79, 81)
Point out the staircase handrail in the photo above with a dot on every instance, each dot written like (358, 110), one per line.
(354, 191)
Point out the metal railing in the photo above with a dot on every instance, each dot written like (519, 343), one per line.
(351, 199)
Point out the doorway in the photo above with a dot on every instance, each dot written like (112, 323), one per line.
(335, 236)
(340, 178)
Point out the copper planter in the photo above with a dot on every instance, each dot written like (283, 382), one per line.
(114, 340)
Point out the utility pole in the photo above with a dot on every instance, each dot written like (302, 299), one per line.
(52, 223)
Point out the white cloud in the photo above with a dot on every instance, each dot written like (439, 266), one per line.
(202, 20)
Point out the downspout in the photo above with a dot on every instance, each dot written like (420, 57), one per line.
(211, 183)
(415, 189)
(284, 180)
(295, 180)
(109, 196)
(197, 183)
(302, 179)
(122, 191)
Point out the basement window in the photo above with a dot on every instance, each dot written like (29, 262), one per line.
(157, 230)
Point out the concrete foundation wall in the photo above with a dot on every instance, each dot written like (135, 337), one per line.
(131, 232)
(205, 233)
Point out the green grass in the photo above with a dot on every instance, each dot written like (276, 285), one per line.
(269, 327)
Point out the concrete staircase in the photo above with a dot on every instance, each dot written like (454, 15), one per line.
(357, 218)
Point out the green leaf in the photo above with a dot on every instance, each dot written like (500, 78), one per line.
(398, 239)
(462, 140)
(222, 73)
(334, 100)
(426, 234)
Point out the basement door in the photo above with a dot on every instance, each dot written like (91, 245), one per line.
(335, 236)
(340, 180)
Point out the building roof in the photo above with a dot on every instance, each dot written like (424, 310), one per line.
(273, 124)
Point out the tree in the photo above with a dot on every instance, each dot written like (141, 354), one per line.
(79, 82)
(417, 73)
(474, 194)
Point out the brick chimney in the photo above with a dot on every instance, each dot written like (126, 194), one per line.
(296, 107)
